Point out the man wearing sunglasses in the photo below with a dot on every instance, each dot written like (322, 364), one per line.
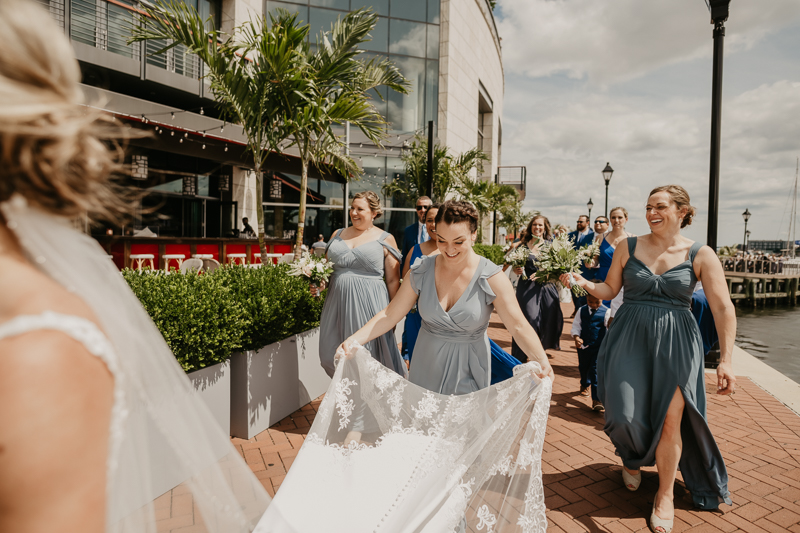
(416, 232)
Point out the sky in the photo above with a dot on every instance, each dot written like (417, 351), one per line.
(629, 82)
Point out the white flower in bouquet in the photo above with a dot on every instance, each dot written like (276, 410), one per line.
(555, 258)
(314, 269)
(518, 257)
(589, 252)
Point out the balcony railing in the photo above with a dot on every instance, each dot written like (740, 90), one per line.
(106, 25)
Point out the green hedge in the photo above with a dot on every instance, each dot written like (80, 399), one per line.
(206, 317)
(492, 252)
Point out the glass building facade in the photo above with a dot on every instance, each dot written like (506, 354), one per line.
(407, 33)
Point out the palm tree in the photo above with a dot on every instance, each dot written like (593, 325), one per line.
(513, 217)
(447, 170)
(486, 196)
(265, 78)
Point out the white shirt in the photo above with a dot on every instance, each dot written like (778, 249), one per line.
(584, 233)
(422, 233)
(576, 324)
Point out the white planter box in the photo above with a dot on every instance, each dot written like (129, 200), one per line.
(213, 386)
(271, 383)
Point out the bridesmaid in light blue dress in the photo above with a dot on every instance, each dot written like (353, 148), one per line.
(650, 366)
(362, 258)
(456, 292)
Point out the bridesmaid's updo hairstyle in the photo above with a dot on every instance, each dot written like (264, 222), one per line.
(457, 211)
(372, 200)
(681, 199)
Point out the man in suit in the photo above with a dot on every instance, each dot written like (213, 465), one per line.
(416, 233)
(580, 238)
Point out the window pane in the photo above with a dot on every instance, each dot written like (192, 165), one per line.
(433, 41)
(380, 37)
(432, 92)
(397, 172)
(406, 112)
(302, 11)
(433, 11)
(410, 9)
(344, 5)
(395, 222)
(381, 7)
(322, 20)
(407, 38)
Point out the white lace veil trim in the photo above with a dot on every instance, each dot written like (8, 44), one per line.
(385, 455)
(165, 425)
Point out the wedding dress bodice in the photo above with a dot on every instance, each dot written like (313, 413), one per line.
(96, 343)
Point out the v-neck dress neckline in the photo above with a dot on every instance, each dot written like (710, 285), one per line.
(466, 289)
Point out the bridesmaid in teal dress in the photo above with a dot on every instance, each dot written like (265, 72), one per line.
(455, 292)
(650, 366)
(366, 275)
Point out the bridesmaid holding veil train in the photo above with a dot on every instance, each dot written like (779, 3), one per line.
(455, 292)
(366, 276)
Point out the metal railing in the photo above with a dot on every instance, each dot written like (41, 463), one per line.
(106, 25)
(759, 266)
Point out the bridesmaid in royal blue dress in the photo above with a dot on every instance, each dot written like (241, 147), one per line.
(650, 365)
(366, 275)
(427, 248)
(609, 242)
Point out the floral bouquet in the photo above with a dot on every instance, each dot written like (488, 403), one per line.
(558, 257)
(589, 252)
(518, 257)
(314, 269)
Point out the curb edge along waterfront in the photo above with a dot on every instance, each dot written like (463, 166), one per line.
(784, 389)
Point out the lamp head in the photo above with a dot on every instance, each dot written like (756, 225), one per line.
(590, 204)
(746, 215)
(607, 172)
(719, 10)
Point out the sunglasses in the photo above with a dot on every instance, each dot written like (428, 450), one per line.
(601, 221)
(423, 207)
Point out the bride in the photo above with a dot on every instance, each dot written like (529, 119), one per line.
(94, 407)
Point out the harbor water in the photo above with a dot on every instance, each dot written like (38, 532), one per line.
(772, 334)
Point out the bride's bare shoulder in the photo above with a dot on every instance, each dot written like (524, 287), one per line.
(27, 291)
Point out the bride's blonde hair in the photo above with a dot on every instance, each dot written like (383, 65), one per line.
(55, 152)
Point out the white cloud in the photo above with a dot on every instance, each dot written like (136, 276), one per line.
(617, 40)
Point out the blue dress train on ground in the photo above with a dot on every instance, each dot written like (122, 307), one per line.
(652, 348)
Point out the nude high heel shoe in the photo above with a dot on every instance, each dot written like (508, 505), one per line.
(631, 482)
(656, 522)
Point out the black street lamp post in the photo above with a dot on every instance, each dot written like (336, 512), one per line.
(590, 205)
(746, 217)
(607, 172)
(719, 14)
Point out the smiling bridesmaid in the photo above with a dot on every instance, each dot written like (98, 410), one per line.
(366, 275)
(650, 365)
(455, 292)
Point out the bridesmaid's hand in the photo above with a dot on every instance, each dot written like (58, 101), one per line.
(580, 281)
(725, 379)
(519, 271)
(314, 289)
(346, 349)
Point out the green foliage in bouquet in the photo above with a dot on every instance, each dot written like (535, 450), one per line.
(557, 257)
(492, 252)
(206, 317)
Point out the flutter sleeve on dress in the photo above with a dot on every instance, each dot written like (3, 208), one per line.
(418, 270)
(392, 250)
(489, 269)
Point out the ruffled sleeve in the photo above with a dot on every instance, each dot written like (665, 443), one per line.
(488, 269)
(417, 273)
(392, 250)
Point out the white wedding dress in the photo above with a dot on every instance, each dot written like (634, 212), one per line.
(423, 462)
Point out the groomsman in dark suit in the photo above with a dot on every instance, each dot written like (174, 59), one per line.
(416, 233)
(580, 238)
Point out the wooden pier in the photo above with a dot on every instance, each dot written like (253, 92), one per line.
(761, 289)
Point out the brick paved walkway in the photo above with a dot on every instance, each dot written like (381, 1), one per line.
(759, 438)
